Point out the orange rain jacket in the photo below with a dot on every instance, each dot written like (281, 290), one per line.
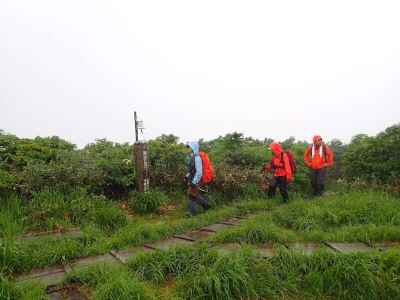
(318, 161)
(279, 164)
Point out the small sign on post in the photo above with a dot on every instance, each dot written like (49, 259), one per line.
(141, 159)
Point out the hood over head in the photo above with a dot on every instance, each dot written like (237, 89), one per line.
(276, 148)
(316, 138)
(194, 146)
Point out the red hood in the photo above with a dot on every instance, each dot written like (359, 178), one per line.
(316, 138)
(276, 148)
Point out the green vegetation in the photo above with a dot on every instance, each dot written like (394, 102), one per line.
(148, 202)
(53, 210)
(20, 256)
(366, 216)
(26, 291)
(47, 184)
(374, 158)
(203, 274)
(111, 282)
(178, 262)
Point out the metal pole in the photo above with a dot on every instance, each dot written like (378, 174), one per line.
(136, 128)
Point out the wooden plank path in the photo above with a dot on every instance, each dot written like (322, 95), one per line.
(53, 277)
(72, 232)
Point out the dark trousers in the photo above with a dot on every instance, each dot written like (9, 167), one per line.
(318, 181)
(195, 199)
(281, 182)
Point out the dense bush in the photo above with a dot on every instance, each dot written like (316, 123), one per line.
(374, 158)
(167, 162)
(30, 165)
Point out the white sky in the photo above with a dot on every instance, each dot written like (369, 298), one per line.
(78, 69)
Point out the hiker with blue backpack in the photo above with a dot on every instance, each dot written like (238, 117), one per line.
(199, 174)
(282, 166)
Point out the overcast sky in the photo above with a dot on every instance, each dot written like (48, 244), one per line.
(78, 69)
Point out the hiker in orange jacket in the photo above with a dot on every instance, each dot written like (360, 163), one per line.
(281, 170)
(318, 157)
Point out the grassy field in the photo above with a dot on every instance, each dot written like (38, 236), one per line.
(109, 230)
(367, 216)
(200, 272)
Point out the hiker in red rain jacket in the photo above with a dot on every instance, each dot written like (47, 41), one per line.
(318, 157)
(281, 170)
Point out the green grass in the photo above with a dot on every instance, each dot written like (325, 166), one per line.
(201, 273)
(368, 216)
(11, 217)
(228, 278)
(25, 291)
(148, 202)
(158, 265)
(109, 282)
(255, 231)
(51, 210)
(21, 256)
(109, 219)
(354, 208)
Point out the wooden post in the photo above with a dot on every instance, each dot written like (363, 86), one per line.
(142, 167)
(141, 159)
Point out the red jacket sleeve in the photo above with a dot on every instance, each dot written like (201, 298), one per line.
(307, 156)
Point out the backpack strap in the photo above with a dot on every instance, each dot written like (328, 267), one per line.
(325, 152)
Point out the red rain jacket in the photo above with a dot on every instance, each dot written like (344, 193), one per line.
(318, 162)
(279, 165)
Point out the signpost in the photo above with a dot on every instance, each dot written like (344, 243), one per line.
(141, 159)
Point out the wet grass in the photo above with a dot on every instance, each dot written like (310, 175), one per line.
(11, 217)
(368, 216)
(109, 282)
(26, 291)
(50, 210)
(18, 256)
(201, 273)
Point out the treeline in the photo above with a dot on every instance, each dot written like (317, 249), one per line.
(104, 167)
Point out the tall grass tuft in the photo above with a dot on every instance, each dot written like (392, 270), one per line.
(111, 282)
(228, 278)
(157, 266)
